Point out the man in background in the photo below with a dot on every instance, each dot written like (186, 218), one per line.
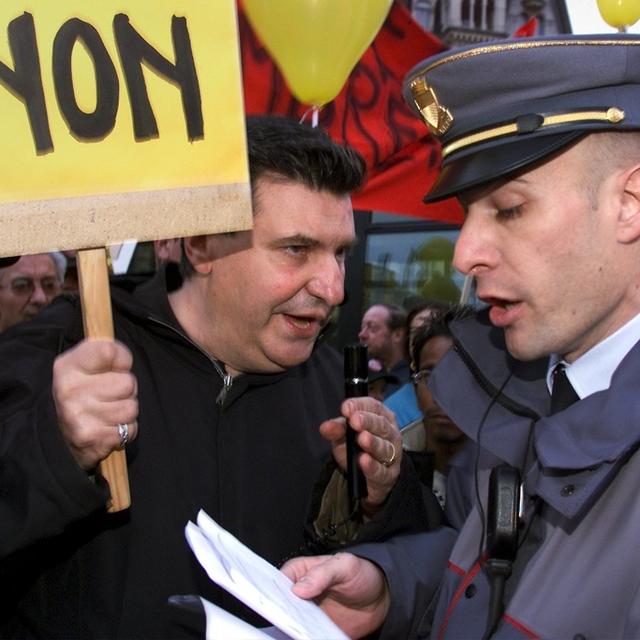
(434, 440)
(383, 331)
(28, 285)
(403, 401)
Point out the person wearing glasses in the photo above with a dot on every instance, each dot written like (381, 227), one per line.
(29, 285)
(434, 442)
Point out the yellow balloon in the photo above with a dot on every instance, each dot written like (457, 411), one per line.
(619, 13)
(316, 43)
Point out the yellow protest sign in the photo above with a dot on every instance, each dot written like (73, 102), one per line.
(120, 120)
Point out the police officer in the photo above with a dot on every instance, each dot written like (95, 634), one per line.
(541, 144)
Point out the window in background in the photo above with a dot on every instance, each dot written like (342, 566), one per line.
(401, 267)
(397, 259)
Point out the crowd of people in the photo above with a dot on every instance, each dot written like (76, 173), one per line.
(498, 445)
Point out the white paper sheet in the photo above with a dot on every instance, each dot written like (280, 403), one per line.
(250, 578)
(222, 624)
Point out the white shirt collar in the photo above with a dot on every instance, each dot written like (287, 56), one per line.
(592, 371)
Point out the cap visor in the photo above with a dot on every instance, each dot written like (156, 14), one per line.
(493, 162)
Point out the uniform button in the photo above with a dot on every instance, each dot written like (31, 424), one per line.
(568, 490)
(470, 591)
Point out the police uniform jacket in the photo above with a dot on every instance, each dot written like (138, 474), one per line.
(577, 570)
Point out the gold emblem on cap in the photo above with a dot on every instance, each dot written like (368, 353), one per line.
(437, 117)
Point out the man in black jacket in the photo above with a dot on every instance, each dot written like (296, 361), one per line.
(216, 384)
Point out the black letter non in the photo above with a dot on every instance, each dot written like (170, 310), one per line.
(134, 49)
(25, 80)
(90, 126)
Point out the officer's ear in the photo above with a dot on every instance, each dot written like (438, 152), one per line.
(629, 214)
(198, 252)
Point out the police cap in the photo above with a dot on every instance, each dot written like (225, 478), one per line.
(500, 106)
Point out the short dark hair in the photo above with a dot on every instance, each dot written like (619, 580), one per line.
(283, 149)
(419, 306)
(437, 324)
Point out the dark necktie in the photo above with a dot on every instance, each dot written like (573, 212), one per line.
(562, 393)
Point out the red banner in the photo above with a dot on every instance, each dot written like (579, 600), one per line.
(528, 29)
(369, 114)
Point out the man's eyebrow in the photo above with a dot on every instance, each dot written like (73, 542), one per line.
(302, 240)
(296, 239)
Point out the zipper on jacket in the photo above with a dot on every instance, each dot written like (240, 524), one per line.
(227, 379)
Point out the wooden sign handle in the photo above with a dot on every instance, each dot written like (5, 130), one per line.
(93, 280)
